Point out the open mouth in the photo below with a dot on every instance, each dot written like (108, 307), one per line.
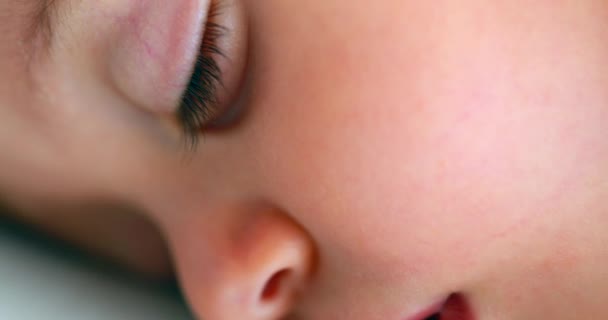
(455, 307)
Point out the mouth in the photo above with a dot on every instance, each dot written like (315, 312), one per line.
(455, 307)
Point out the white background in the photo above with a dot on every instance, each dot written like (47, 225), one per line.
(39, 282)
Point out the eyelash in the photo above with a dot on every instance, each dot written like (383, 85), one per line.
(200, 97)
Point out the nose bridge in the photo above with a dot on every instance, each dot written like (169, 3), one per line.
(252, 265)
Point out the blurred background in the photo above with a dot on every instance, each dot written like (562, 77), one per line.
(44, 279)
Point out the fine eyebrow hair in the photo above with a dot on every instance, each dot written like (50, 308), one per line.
(42, 24)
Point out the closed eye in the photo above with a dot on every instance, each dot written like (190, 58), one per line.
(217, 72)
(199, 103)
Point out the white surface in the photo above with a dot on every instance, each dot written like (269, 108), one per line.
(37, 284)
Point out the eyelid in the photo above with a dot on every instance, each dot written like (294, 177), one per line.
(153, 44)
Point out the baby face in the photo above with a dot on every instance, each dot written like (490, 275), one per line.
(355, 160)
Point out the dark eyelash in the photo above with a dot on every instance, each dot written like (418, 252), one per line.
(200, 98)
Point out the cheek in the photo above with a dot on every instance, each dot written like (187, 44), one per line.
(411, 157)
(415, 190)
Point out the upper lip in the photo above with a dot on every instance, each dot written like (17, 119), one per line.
(454, 307)
(457, 307)
(428, 311)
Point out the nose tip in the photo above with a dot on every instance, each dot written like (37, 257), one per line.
(256, 271)
(269, 291)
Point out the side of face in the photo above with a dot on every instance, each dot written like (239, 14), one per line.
(385, 156)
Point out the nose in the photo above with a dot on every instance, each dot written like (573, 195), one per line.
(252, 269)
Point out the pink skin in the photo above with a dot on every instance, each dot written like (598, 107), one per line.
(162, 39)
(388, 155)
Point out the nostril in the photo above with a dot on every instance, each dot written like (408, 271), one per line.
(274, 285)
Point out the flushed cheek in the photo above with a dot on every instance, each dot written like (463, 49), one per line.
(416, 203)
(411, 168)
(439, 218)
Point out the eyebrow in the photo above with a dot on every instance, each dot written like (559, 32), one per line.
(35, 24)
(42, 23)
(38, 35)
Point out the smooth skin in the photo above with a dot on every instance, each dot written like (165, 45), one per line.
(387, 153)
